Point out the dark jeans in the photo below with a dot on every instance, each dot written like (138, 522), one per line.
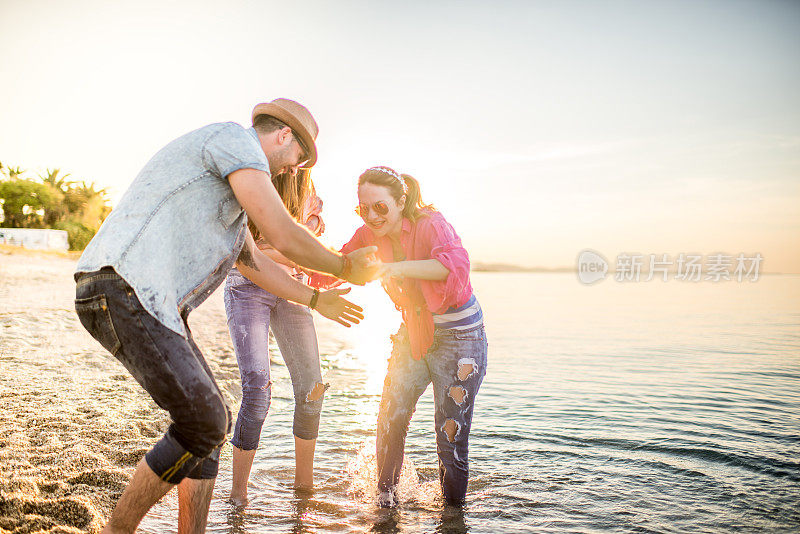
(168, 366)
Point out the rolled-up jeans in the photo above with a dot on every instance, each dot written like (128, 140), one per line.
(168, 366)
(251, 313)
(456, 365)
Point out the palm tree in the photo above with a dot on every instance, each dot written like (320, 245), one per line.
(89, 203)
(15, 172)
(51, 178)
(89, 191)
(58, 209)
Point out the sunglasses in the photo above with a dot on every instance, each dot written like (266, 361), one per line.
(380, 207)
(304, 156)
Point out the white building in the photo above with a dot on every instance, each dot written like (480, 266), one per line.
(35, 238)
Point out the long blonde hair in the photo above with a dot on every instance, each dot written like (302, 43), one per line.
(294, 190)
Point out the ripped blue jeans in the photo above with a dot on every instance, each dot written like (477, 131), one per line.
(251, 312)
(456, 364)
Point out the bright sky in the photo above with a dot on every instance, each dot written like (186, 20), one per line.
(538, 128)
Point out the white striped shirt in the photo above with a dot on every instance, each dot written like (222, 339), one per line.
(463, 317)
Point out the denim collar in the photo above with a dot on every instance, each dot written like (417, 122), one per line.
(252, 131)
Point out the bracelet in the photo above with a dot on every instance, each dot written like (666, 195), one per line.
(314, 299)
(347, 267)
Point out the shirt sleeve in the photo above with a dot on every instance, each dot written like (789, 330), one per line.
(359, 240)
(232, 148)
(444, 244)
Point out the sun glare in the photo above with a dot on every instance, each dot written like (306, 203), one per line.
(370, 341)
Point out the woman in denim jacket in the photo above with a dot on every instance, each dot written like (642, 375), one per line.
(442, 339)
(251, 312)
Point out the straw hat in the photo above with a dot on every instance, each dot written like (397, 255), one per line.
(296, 117)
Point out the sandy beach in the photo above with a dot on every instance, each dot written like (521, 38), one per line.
(73, 422)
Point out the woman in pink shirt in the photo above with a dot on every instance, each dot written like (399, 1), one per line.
(442, 339)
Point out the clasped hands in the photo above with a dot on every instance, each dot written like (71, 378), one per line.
(365, 267)
(368, 267)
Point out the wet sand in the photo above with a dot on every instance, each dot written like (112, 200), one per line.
(73, 422)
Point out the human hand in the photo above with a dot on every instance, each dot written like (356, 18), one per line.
(316, 225)
(316, 205)
(364, 265)
(331, 305)
(313, 210)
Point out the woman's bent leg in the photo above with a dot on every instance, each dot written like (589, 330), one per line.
(248, 309)
(458, 365)
(293, 327)
(406, 380)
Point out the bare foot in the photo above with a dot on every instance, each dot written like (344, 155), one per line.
(303, 490)
(387, 499)
(238, 500)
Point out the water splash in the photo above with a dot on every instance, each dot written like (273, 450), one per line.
(362, 473)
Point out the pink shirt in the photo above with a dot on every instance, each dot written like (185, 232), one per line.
(431, 237)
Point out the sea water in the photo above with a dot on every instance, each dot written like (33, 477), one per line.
(629, 407)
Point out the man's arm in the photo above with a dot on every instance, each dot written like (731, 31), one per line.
(268, 275)
(273, 254)
(263, 205)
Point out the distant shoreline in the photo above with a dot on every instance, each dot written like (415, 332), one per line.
(573, 271)
(477, 267)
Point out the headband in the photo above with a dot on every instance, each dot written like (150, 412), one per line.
(390, 172)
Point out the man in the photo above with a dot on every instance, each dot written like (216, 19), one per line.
(169, 243)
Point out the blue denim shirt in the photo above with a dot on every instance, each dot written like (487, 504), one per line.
(178, 228)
